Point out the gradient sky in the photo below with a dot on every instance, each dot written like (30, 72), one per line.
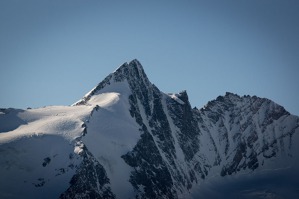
(52, 52)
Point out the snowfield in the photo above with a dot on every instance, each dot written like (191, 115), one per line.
(53, 120)
(39, 147)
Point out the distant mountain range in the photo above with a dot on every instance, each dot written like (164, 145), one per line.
(127, 139)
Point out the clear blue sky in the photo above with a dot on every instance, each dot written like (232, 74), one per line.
(52, 52)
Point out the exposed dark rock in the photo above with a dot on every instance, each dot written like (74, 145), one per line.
(47, 160)
(90, 180)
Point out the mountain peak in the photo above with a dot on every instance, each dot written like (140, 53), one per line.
(129, 65)
(136, 62)
(131, 140)
(131, 72)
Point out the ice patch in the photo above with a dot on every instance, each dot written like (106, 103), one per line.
(79, 148)
(175, 96)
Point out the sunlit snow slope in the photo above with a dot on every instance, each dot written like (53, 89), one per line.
(127, 139)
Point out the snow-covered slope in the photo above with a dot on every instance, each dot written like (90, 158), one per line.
(37, 150)
(127, 139)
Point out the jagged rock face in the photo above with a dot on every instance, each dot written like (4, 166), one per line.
(90, 180)
(247, 130)
(169, 158)
(157, 146)
(179, 145)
